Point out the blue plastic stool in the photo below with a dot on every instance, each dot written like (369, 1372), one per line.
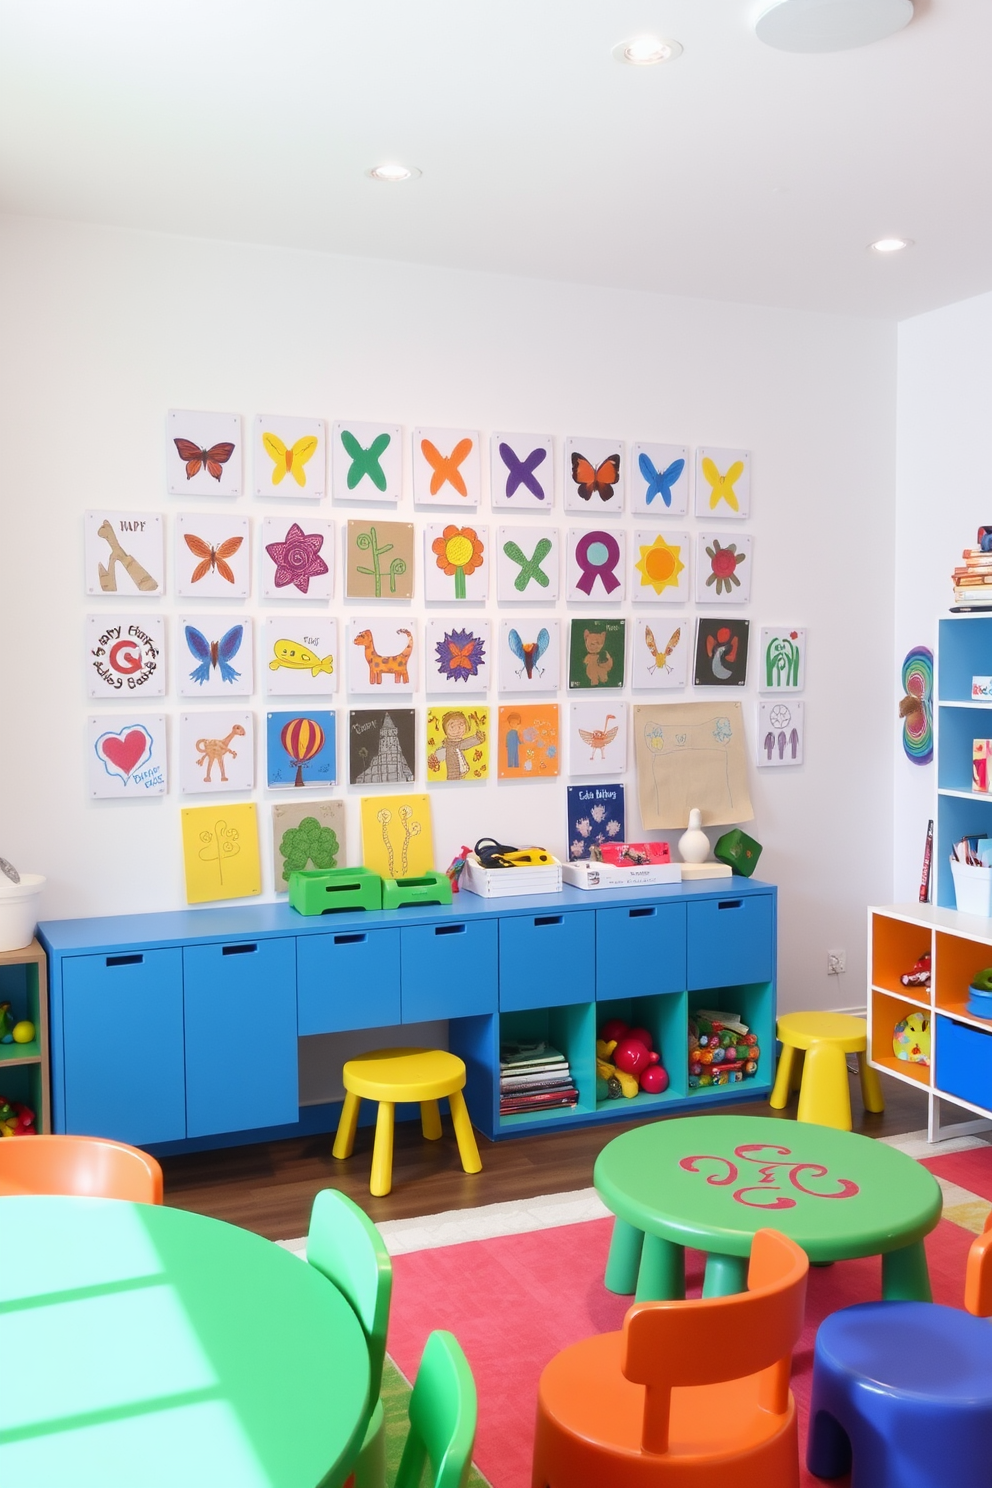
(902, 1395)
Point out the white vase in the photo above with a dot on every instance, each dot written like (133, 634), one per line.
(694, 845)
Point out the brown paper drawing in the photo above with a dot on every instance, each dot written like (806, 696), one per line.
(307, 835)
(691, 754)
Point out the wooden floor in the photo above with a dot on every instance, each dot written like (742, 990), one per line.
(269, 1188)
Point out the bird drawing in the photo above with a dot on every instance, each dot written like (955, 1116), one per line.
(599, 738)
(529, 652)
(661, 657)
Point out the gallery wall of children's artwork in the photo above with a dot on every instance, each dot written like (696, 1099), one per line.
(416, 545)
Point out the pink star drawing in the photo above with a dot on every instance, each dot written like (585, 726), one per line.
(297, 558)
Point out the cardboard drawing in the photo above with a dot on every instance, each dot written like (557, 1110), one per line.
(381, 653)
(659, 653)
(529, 655)
(527, 564)
(306, 834)
(297, 559)
(127, 756)
(457, 655)
(124, 554)
(300, 749)
(661, 568)
(447, 467)
(366, 462)
(593, 476)
(529, 742)
(220, 851)
(214, 656)
(783, 660)
(781, 732)
(212, 557)
(397, 840)
(659, 479)
(125, 656)
(724, 562)
(216, 752)
(723, 484)
(290, 456)
(721, 652)
(596, 653)
(300, 655)
(595, 816)
(378, 560)
(689, 755)
(203, 453)
(382, 746)
(456, 561)
(596, 564)
(597, 738)
(457, 744)
(523, 467)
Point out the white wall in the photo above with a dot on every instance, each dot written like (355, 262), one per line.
(944, 404)
(103, 330)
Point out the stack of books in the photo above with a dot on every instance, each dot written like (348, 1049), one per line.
(973, 581)
(533, 1077)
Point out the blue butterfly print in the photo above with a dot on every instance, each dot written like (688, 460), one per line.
(522, 471)
(659, 484)
(214, 653)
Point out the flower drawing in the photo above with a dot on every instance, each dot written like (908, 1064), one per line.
(459, 552)
(724, 562)
(460, 655)
(297, 558)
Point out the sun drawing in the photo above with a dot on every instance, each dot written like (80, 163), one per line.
(660, 564)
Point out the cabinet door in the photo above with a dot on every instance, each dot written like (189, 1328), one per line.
(547, 960)
(122, 1019)
(640, 950)
(449, 970)
(348, 979)
(240, 1013)
(730, 941)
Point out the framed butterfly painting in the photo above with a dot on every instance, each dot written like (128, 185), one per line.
(127, 756)
(297, 559)
(216, 752)
(447, 468)
(456, 561)
(458, 655)
(124, 554)
(203, 453)
(659, 653)
(366, 462)
(529, 654)
(723, 484)
(214, 656)
(596, 564)
(300, 655)
(523, 472)
(661, 567)
(527, 564)
(593, 476)
(212, 557)
(290, 456)
(659, 479)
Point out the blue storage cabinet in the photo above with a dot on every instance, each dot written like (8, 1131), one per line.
(640, 948)
(448, 971)
(349, 978)
(547, 959)
(730, 940)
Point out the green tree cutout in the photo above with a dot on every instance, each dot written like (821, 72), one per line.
(308, 843)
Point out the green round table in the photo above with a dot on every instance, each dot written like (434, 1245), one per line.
(711, 1181)
(146, 1347)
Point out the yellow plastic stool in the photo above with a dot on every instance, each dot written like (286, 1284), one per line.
(392, 1075)
(823, 1040)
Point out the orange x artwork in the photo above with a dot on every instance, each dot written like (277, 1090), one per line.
(445, 467)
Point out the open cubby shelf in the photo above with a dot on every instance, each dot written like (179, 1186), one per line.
(24, 1071)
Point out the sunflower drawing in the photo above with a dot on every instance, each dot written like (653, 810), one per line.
(459, 552)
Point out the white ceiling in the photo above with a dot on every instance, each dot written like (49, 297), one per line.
(736, 172)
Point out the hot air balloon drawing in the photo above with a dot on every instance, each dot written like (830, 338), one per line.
(301, 750)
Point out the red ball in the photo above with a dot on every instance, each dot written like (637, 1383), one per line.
(643, 1035)
(654, 1079)
(614, 1028)
(631, 1056)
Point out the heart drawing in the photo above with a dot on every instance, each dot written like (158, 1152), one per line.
(122, 753)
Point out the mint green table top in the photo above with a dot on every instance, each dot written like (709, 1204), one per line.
(146, 1347)
(711, 1181)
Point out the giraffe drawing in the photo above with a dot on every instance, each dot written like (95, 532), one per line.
(212, 751)
(378, 665)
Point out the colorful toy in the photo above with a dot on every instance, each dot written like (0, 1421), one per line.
(632, 1056)
(6, 1024)
(634, 854)
(738, 850)
(613, 1029)
(16, 1119)
(980, 1001)
(911, 1038)
(618, 1082)
(641, 1034)
(456, 867)
(722, 1050)
(654, 1079)
(24, 1031)
(919, 973)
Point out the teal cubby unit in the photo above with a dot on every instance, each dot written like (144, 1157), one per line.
(570, 1028)
(664, 1017)
(547, 959)
(652, 937)
(756, 1006)
(449, 971)
(348, 979)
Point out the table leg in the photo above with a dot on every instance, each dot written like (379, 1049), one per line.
(725, 1275)
(624, 1258)
(661, 1277)
(905, 1277)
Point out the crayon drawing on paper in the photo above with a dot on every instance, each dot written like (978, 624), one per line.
(783, 660)
(216, 752)
(381, 654)
(456, 562)
(529, 742)
(723, 484)
(596, 653)
(597, 738)
(593, 476)
(296, 560)
(215, 656)
(203, 453)
(300, 655)
(529, 654)
(781, 732)
(220, 852)
(379, 559)
(300, 750)
(457, 744)
(691, 755)
(457, 655)
(125, 655)
(366, 462)
(382, 748)
(659, 479)
(659, 653)
(212, 557)
(527, 564)
(127, 756)
(397, 840)
(290, 456)
(522, 472)
(447, 468)
(306, 834)
(124, 554)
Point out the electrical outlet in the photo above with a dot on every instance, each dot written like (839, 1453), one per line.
(836, 962)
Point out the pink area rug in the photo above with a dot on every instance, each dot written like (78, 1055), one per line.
(971, 1170)
(515, 1301)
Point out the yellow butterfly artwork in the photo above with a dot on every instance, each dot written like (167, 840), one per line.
(722, 485)
(289, 459)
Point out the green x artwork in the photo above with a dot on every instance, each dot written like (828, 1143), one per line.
(365, 461)
(530, 568)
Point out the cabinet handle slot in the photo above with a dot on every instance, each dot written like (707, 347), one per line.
(125, 960)
(640, 914)
(548, 920)
(238, 950)
(731, 904)
(449, 929)
(350, 939)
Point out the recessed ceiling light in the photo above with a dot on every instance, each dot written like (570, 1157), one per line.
(646, 51)
(830, 25)
(394, 173)
(890, 245)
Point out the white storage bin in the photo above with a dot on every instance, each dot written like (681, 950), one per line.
(972, 889)
(20, 904)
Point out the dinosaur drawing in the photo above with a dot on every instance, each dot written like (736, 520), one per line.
(212, 751)
(379, 665)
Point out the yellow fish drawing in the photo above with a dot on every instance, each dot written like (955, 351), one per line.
(296, 657)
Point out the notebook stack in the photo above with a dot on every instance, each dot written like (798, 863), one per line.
(973, 581)
(533, 1077)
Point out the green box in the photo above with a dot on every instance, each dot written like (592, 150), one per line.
(329, 890)
(431, 888)
(739, 850)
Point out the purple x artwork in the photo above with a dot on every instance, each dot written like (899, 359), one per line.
(521, 471)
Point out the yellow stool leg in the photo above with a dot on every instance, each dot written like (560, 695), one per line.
(779, 1097)
(344, 1141)
(871, 1086)
(825, 1097)
(797, 1069)
(430, 1120)
(464, 1135)
(382, 1153)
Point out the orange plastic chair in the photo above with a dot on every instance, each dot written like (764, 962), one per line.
(91, 1167)
(689, 1394)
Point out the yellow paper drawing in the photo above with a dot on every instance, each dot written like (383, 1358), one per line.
(396, 835)
(457, 743)
(220, 852)
(691, 754)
